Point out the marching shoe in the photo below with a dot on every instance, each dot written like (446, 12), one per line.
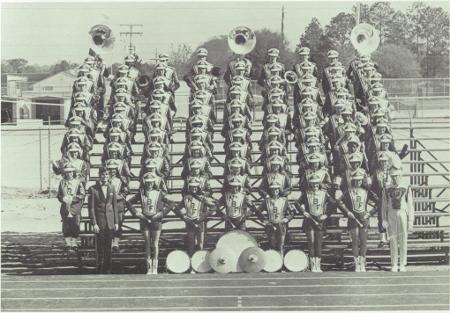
(362, 265)
(313, 265)
(383, 240)
(318, 269)
(357, 261)
(155, 266)
(394, 268)
(149, 266)
(402, 268)
(115, 245)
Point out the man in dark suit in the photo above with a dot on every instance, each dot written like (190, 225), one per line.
(104, 217)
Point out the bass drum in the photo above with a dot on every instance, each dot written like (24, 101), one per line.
(236, 241)
(296, 261)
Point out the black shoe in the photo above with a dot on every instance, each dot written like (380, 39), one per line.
(116, 249)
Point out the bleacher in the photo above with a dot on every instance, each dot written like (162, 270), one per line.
(429, 244)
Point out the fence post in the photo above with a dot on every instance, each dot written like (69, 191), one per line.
(49, 160)
(40, 159)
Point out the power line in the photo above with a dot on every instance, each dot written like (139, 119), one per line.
(131, 47)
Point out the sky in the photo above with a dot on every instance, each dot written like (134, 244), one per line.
(44, 33)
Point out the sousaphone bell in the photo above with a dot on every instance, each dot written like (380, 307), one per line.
(241, 40)
(365, 38)
(102, 37)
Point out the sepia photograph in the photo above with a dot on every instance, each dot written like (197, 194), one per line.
(225, 156)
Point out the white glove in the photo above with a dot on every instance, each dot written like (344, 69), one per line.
(96, 229)
(385, 224)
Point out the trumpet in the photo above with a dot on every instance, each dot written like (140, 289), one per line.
(290, 77)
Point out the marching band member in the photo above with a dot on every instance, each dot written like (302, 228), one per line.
(71, 193)
(230, 72)
(74, 135)
(279, 214)
(304, 54)
(354, 204)
(194, 209)
(237, 205)
(154, 206)
(235, 169)
(132, 61)
(169, 73)
(200, 176)
(314, 204)
(398, 218)
(265, 75)
(276, 174)
(121, 187)
(381, 179)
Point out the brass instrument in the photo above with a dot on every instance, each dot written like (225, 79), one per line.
(365, 38)
(241, 40)
(102, 37)
(290, 77)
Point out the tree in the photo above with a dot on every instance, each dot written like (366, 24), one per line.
(397, 29)
(180, 57)
(60, 67)
(17, 65)
(339, 29)
(429, 32)
(266, 39)
(380, 13)
(312, 36)
(220, 54)
(396, 62)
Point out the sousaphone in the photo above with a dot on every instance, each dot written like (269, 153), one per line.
(102, 38)
(365, 38)
(241, 40)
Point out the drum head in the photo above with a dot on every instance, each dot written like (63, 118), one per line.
(178, 262)
(252, 260)
(237, 241)
(296, 261)
(200, 263)
(222, 260)
(274, 261)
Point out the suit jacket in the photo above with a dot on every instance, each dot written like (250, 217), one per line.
(103, 208)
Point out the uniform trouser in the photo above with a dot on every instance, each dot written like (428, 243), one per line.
(358, 235)
(398, 235)
(195, 236)
(277, 234)
(381, 229)
(103, 247)
(100, 107)
(71, 226)
(314, 235)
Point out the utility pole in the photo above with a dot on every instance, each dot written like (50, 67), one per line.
(131, 47)
(358, 12)
(282, 24)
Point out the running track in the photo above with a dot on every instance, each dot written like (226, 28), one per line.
(280, 291)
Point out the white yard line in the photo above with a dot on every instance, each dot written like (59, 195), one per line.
(356, 276)
(229, 287)
(193, 308)
(239, 297)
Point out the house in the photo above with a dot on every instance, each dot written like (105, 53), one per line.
(54, 92)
